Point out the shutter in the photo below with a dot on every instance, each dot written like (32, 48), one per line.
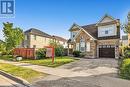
(88, 46)
(77, 46)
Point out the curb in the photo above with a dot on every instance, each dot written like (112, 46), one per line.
(16, 79)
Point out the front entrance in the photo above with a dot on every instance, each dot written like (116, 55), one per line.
(107, 51)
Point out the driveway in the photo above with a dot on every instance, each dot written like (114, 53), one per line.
(101, 73)
(85, 64)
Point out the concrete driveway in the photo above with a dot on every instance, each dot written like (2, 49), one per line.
(103, 73)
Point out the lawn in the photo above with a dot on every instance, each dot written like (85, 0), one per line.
(48, 62)
(6, 57)
(24, 73)
(43, 62)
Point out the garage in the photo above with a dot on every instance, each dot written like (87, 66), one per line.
(107, 51)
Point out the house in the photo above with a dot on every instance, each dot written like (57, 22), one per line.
(99, 40)
(35, 38)
(60, 40)
(124, 40)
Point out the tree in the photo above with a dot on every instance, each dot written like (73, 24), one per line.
(2, 46)
(13, 36)
(59, 49)
(127, 25)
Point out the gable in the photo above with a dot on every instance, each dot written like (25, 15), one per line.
(106, 18)
(85, 34)
(74, 27)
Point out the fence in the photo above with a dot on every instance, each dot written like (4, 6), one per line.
(25, 52)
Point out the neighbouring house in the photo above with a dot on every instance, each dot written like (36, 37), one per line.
(124, 40)
(99, 40)
(60, 40)
(35, 38)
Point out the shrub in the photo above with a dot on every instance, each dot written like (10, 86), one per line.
(127, 54)
(82, 54)
(59, 50)
(76, 53)
(41, 53)
(125, 69)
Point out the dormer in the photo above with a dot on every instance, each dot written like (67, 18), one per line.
(74, 30)
(107, 26)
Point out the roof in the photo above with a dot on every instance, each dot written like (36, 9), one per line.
(59, 38)
(37, 32)
(91, 29)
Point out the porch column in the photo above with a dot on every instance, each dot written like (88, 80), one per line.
(68, 50)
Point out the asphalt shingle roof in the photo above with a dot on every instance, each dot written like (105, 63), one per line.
(38, 32)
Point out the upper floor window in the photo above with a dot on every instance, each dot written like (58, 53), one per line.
(26, 37)
(106, 32)
(34, 46)
(34, 36)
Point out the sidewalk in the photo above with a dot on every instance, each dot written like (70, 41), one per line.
(5, 82)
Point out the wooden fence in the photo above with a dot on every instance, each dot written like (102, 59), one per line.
(25, 52)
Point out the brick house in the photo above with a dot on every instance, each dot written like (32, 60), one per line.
(97, 40)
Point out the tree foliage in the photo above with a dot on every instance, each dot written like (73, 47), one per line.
(13, 36)
(127, 25)
(59, 49)
(2, 46)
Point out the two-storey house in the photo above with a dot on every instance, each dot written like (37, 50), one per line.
(35, 38)
(99, 40)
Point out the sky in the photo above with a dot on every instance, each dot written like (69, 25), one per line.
(55, 17)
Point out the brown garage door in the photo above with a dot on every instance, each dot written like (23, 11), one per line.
(107, 52)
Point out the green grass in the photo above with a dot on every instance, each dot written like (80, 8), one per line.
(125, 69)
(48, 62)
(25, 73)
(7, 57)
(43, 62)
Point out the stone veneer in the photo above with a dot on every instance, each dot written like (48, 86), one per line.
(92, 53)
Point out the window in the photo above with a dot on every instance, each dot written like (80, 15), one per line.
(106, 32)
(34, 46)
(34, 36)
(82, 44)
(26, 37)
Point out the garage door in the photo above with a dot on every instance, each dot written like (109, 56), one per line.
(107, 52)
